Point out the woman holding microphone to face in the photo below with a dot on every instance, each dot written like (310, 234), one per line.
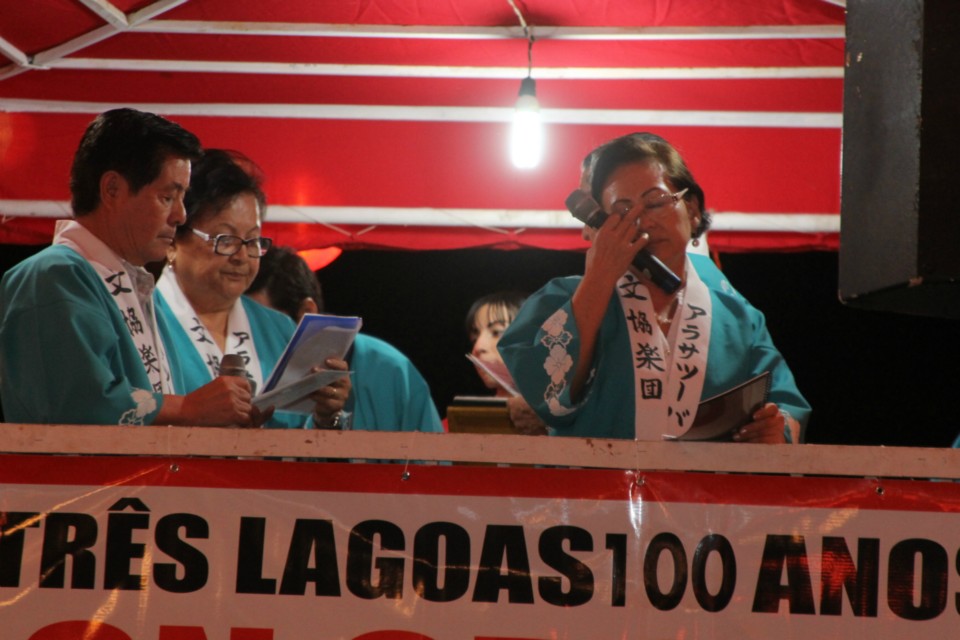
(613, 354)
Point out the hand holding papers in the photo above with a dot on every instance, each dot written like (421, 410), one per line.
(498, 371)
(317, 338)
(718, 417)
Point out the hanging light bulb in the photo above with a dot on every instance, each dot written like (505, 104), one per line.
(526, 136)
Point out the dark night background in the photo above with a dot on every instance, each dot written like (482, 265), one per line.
(872, 377)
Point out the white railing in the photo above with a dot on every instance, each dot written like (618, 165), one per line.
(808, 459)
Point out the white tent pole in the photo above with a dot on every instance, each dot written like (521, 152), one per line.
(116, 22)
(544, 32)
(108, 12)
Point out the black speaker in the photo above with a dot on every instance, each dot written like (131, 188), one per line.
(900, 200)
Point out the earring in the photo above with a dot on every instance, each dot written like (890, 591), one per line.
(696, 242)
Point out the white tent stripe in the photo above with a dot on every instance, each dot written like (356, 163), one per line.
(767, 119)
(494, 218)
(462, 72)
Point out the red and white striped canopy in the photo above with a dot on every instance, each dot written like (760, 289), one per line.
(384, 123)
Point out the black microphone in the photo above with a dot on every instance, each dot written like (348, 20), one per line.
(233, 364)
(585, 209)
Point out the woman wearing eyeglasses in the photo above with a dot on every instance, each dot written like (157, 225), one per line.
(199, 297)
(611, 354)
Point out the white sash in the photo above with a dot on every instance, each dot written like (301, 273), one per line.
(131, 288)
(668, 381)
(239, 335)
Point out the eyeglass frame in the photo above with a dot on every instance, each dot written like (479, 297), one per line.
(264, 242)
(675, 197)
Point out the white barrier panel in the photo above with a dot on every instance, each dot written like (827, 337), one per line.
(115, 548)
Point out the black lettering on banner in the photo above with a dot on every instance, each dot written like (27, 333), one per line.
(134, 326)
(718, 601)
(778, 551)
(671, 544)
(956, 597)
(68, 534)
(687, 350)
(617, 543)
(838, 573)
(121, 549)
(639, 322)
(250, 558)
(631, 289)
(311, 536)
(134, 504)
(13, 526)
(116, 281)
(200, 331)
(651, 388)
(648, 357)
(196, 569)
(504, 542)
(455, 564)
(360, 562)
(695, 312)
(933, 579)
(579, 574)
(150, 360)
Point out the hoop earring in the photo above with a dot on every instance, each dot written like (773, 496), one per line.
(696, 242)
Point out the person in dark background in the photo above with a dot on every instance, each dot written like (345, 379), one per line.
(79, 341)
(487, 319)
(611, 354)
(389, 394)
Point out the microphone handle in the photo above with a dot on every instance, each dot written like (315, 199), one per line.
(585, 209)
(232, 364)
(658, 272)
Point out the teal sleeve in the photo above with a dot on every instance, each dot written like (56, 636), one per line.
(388, 392)
(541, 349)
(67, 356)
(741, 347)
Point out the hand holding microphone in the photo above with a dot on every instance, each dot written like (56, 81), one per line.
(585, 209)
(232, 364)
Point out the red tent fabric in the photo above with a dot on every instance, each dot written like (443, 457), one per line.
(384, 123)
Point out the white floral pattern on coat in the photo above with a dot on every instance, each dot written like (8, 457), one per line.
(559, 362)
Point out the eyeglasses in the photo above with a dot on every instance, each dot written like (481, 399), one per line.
(655, 205)
(228, 245)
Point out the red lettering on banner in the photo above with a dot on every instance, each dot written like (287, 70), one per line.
(79, 630)
(92, 630)
(251, 634)
(172, 632)
(409, 635)
(393, 635)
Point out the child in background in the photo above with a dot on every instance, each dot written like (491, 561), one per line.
(486, 321)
